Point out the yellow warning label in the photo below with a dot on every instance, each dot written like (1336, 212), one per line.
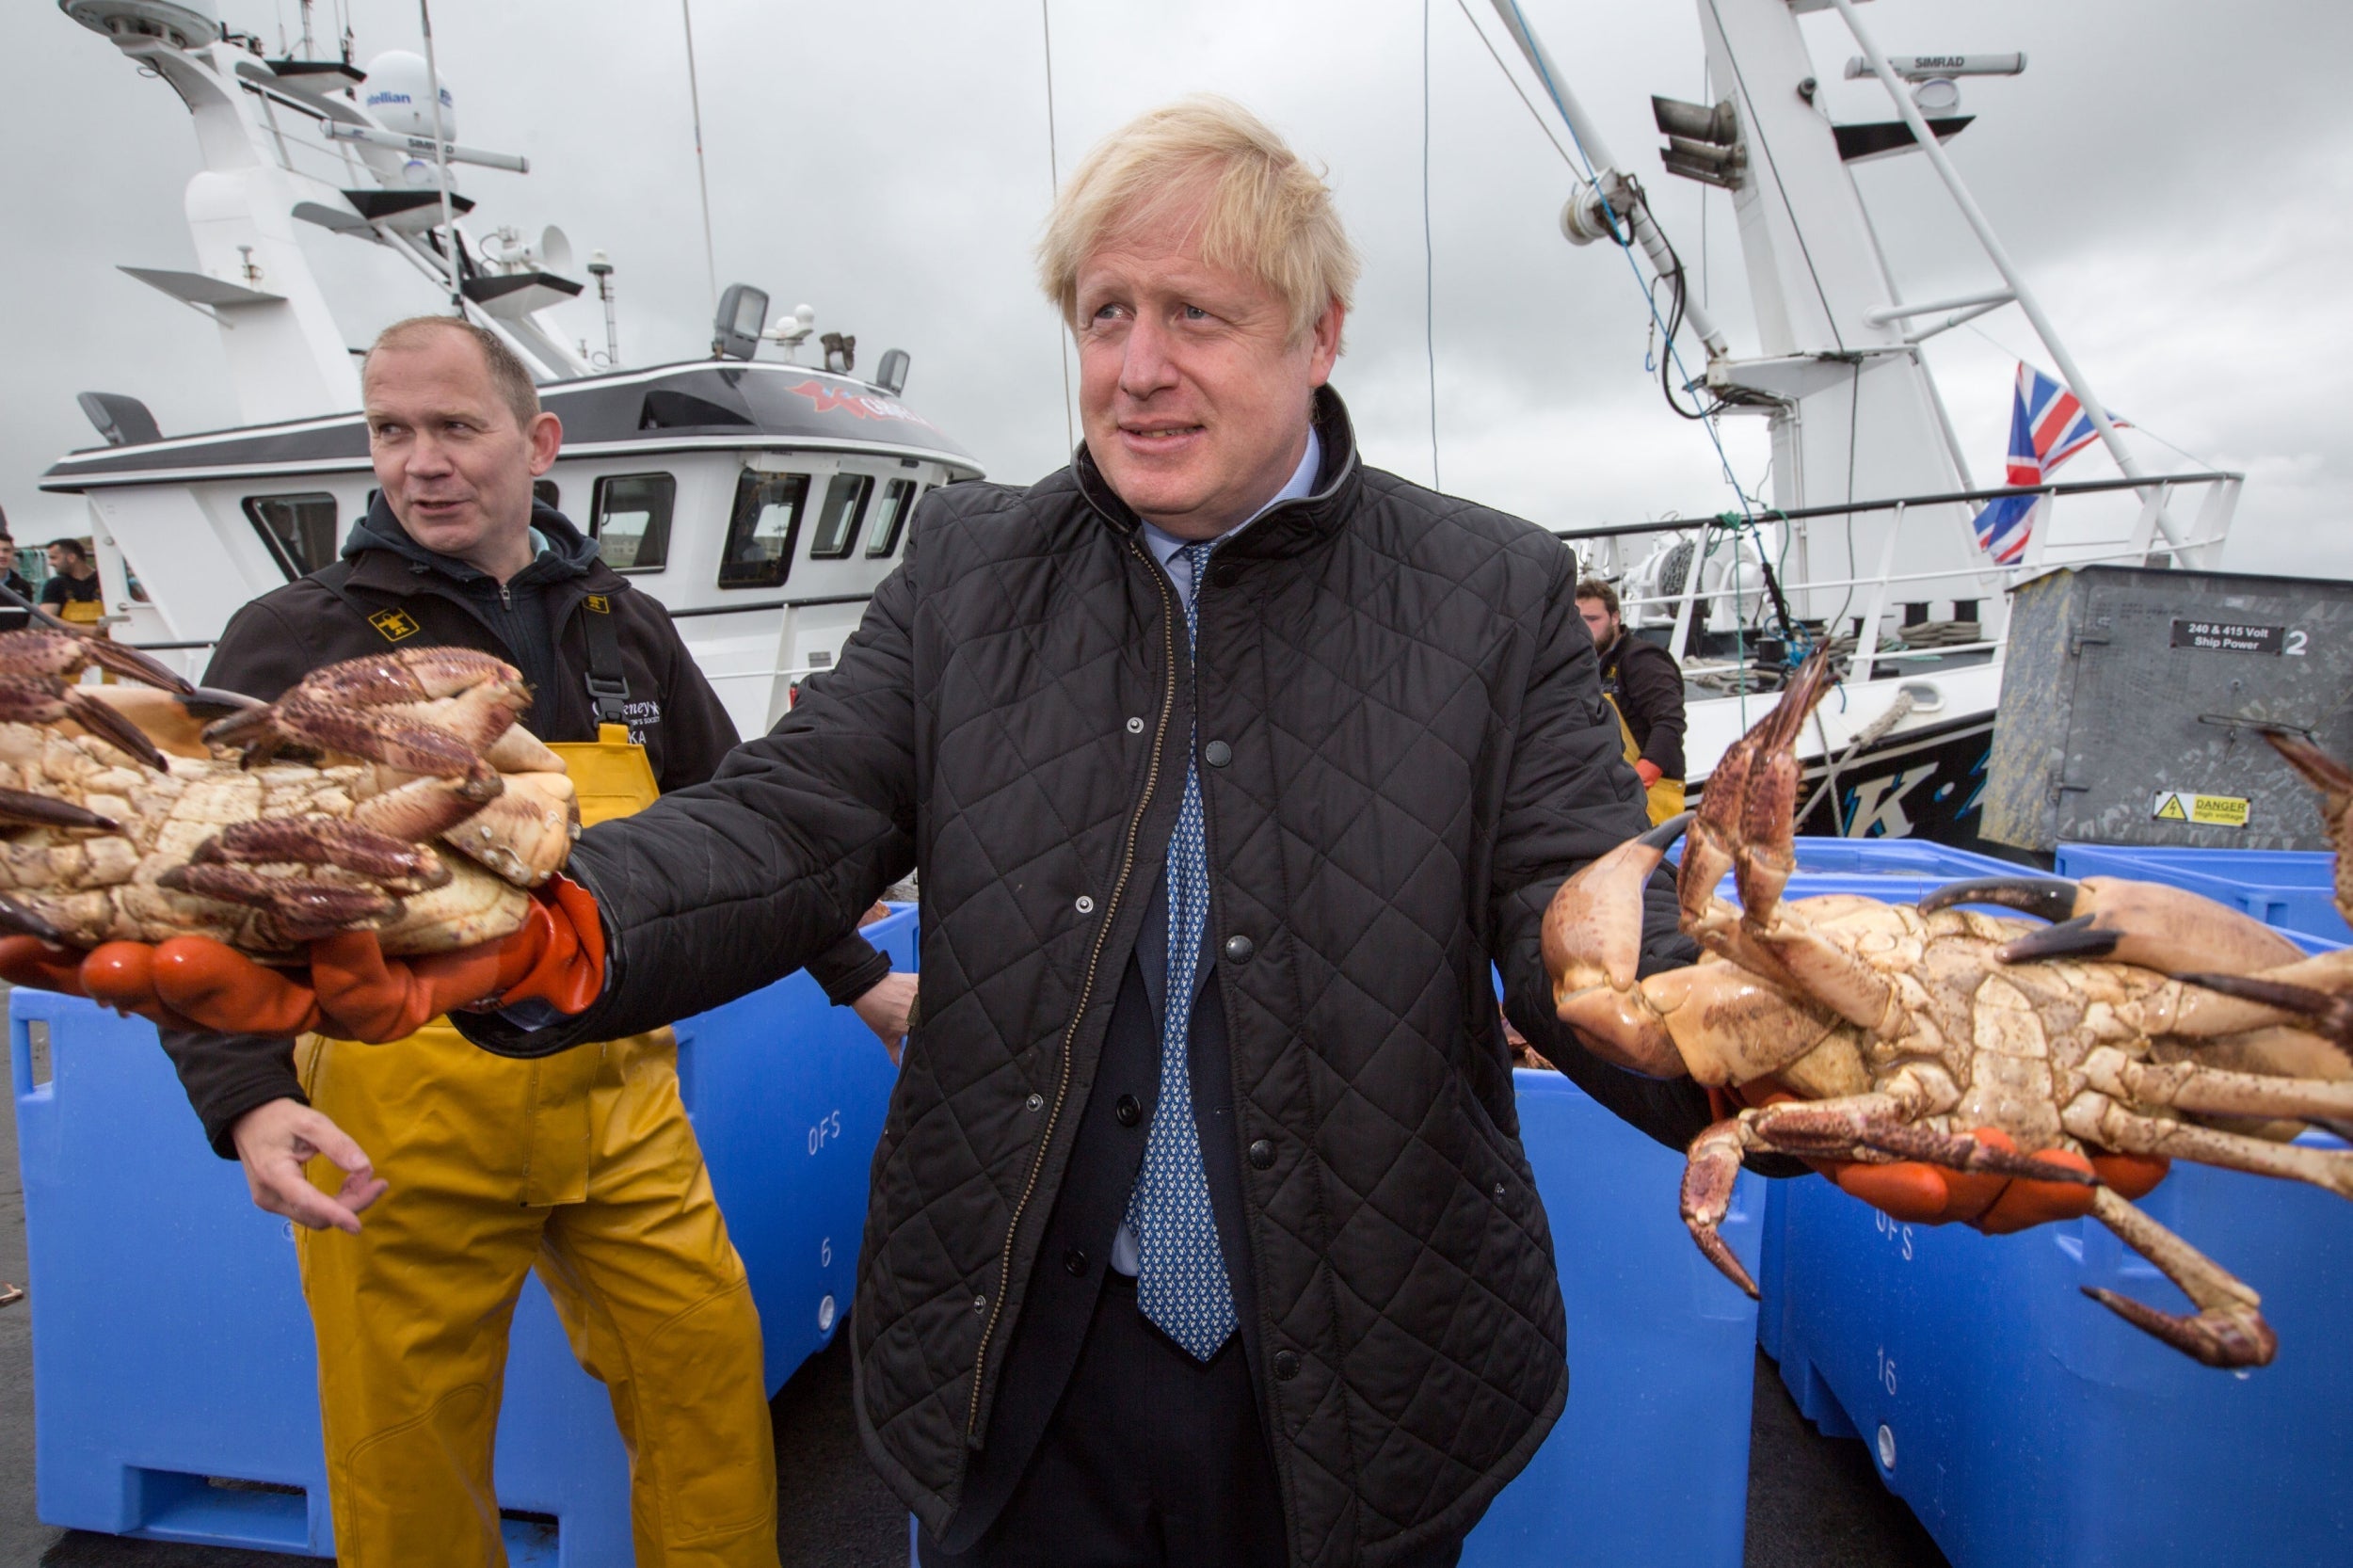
(394, 624)
(2183, 806)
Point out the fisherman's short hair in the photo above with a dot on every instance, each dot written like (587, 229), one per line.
(1594, 587)
(507, 373)
(73, 547)
(1264, 214)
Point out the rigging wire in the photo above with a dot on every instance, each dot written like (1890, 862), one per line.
(1054, 176)
(702, 179)
(1429, 257)
(1584, 165)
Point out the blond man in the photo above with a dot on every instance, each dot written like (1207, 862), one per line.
(1200, 1229)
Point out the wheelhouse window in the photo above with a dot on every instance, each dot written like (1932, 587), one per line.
(629, 520)
(762, 529)
(545, 493)
(839, 517)
(890, 518)
(299, 529)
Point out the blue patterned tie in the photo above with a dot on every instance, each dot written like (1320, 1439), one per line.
(1181, 1283)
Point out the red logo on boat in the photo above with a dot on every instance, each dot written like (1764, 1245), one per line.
(863, 405)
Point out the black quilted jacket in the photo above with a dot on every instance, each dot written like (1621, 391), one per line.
(1408, 752)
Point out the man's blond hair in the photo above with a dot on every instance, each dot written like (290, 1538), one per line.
(509, 373)
(1263, 212)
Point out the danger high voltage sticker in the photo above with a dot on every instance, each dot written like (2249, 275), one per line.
(2183, 806)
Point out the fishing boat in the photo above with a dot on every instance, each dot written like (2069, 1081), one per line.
(1877, 535)
(760, 498)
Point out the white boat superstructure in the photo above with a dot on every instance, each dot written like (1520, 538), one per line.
(1870, 539)
(760, 498)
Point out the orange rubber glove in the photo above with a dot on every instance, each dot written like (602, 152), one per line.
(1920, 1193)
(1648, 772)
(353, 990)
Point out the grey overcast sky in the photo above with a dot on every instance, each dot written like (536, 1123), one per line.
(2172, 174)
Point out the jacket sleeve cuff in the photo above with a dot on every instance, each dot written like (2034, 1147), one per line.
(849, 968)
(227, 1074)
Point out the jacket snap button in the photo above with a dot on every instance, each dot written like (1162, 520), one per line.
(1075, 1260)
(1085, 906)
(1037, 1102)
(1135, 727)
(1285, 1365)
(1217, 754)
(980, 1304)
(1125, 1111)
(1262, 1154)
(1226, 576)
(1240, 948)
(1499, 1192)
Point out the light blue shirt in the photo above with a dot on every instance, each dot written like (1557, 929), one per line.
(1164, 545)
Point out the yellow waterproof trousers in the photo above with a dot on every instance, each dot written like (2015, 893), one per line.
(1663, 799)
(584, 1166)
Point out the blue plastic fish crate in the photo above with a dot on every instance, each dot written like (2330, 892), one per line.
(2292, 889)
(2027, 1424)
(171, 1350)
(1650, 1462)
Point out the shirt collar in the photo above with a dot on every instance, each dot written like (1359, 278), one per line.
(1301, 482)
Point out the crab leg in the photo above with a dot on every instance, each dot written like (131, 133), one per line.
(1856, 1126)
(23, 808)
(2095, 1118)
(2216, 1091)
(2156, 927)
(299, 908)
(2227, 1329)
(398, 867)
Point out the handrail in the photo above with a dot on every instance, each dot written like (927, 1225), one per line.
(1799, 514)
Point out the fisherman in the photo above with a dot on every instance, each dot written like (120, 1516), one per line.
(1200, 1230)
(1644, 685)
(585, 1165)
(73, 590)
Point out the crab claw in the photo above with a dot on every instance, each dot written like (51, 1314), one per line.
(2158, 928)
(431, 710)
(1593, 946)
(63, 655)
(29, 696)
(1744, 821)
(2335, 781)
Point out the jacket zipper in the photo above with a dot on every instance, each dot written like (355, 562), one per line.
(1086, 986)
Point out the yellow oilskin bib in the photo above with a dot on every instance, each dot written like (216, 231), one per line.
(609, 774)
(582, 1165)
(1663, 799)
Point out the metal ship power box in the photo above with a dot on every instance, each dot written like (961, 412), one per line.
(2133, 700)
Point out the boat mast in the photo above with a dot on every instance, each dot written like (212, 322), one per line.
(1999, 256)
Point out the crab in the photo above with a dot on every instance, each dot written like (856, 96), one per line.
(2142, 1020)
(128, 817)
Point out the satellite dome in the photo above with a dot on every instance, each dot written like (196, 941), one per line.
(399, 93)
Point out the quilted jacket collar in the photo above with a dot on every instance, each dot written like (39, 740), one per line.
(1282, 530)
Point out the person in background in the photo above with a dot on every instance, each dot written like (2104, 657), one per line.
(13, 616)
(73, 591)
(1644, 684)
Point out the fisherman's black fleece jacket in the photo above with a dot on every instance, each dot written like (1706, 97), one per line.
(388, 591)
(1648, 684)
(1402, 751)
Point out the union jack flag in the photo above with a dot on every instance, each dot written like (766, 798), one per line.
(2047, 427)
